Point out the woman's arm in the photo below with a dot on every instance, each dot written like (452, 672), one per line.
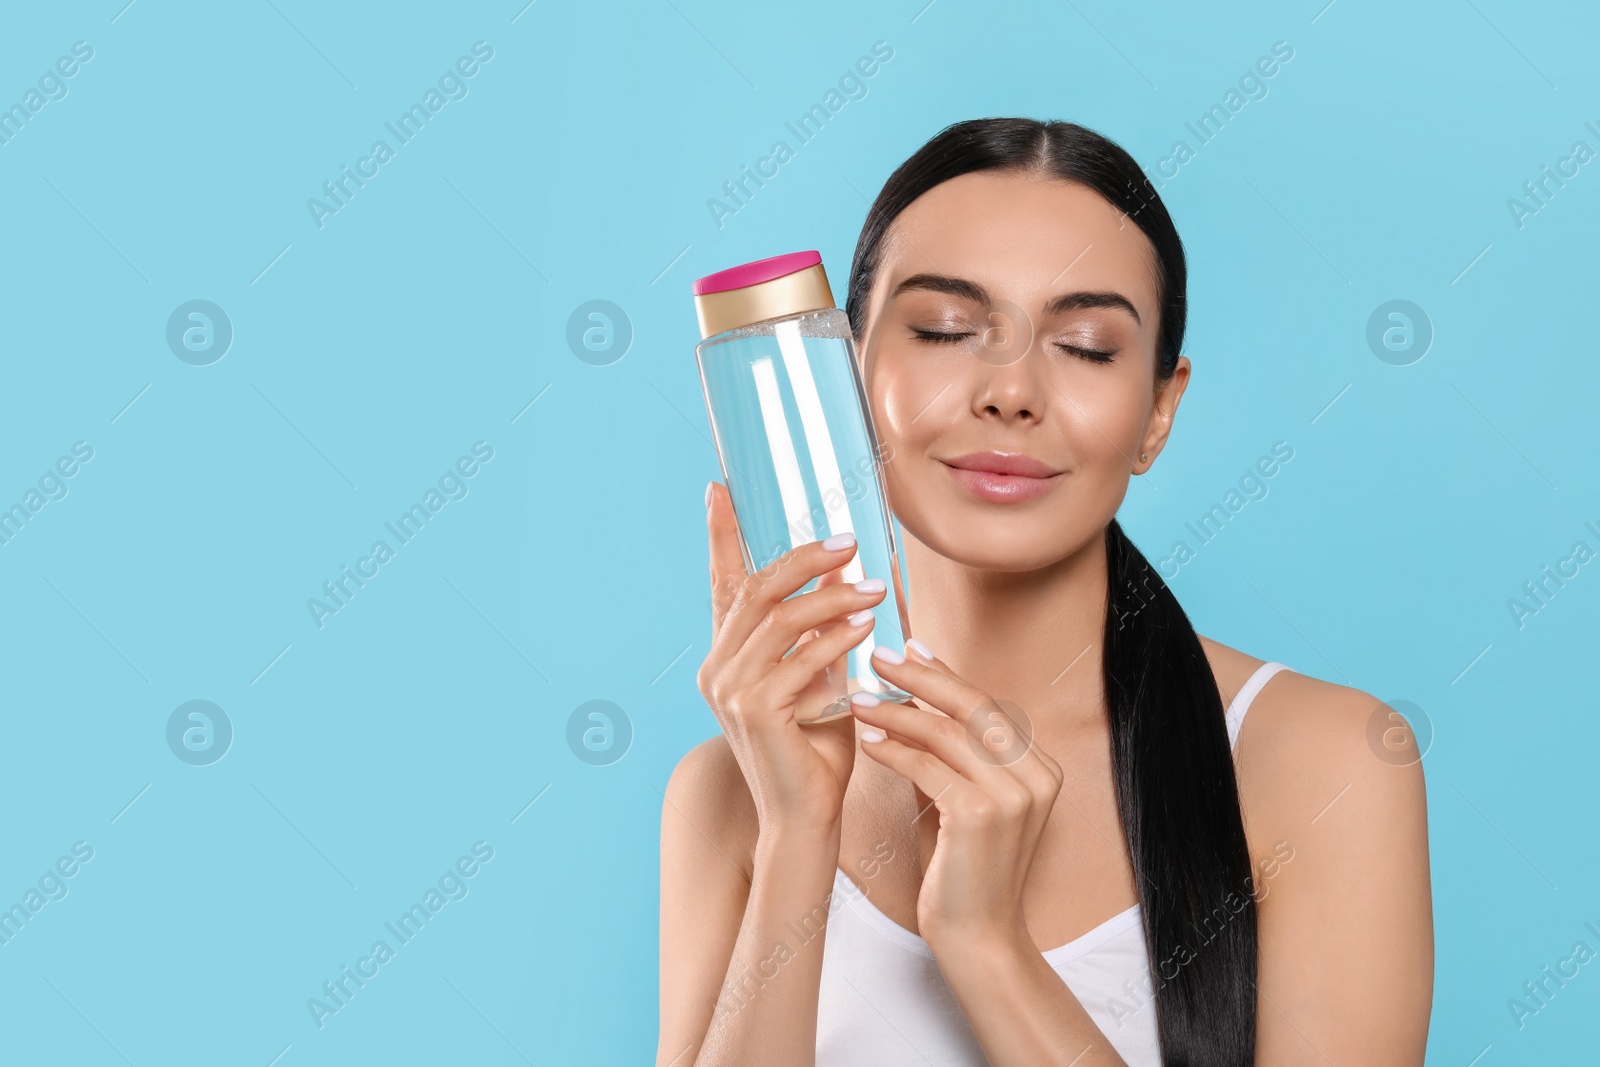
(1346, 926)
(738, 985)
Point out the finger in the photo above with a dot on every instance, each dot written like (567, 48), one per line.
(830, 645)
(802, 617)
(930, 682)
(759, 593)
(727, 557)
(931, 732)
(994, 736)
(942, 785)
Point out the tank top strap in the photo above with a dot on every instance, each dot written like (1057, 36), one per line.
(1246, 695)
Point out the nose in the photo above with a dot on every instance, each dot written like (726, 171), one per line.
(1007, 374)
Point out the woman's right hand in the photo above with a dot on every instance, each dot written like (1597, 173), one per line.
(797, 775)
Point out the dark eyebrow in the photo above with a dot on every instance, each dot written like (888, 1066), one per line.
(968, 290)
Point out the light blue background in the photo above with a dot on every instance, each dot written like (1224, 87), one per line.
(429, 312)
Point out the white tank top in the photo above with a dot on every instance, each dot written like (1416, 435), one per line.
(884, 1001)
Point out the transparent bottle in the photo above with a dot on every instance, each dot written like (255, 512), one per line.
(793, 431)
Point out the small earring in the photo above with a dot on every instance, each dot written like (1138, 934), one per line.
(1143, 456)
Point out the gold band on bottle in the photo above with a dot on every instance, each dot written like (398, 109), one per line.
(804, 290)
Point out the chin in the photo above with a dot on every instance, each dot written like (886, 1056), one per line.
(1016, 543)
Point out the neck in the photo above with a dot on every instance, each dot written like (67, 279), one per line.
(1033, 638)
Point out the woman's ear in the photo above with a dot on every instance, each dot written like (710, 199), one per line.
(1168, 393)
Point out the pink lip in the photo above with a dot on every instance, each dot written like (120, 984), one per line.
(1002, 477)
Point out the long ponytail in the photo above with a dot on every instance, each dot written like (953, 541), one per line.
(1179, 802)
(1171, 760)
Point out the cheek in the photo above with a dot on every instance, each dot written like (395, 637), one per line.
(1103, 416)
(910, 406)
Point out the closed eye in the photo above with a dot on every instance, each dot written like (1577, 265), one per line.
(939, 338)
(1093, 355)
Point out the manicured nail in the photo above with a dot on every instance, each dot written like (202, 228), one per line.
(870, 585)
(871, 736)
(839, 541)
(866, 700)
(919, 648)
(860, 618)
(888, 655)
(708, 493)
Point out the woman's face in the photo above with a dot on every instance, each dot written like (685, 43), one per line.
(1014, 314)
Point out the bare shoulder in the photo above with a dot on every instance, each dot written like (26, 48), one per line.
(1335, 812)
(1309, 746)
(708, 802)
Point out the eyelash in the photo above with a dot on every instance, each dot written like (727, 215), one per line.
(1093, 355)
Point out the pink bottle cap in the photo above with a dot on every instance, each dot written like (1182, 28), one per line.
(762, 270)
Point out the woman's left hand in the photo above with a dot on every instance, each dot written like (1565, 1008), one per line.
(993, 789)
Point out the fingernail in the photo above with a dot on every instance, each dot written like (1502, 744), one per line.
(871, 736)
(708, 493)
(839, 541)
(866, 700)
(920, 648)
(870, 585)
(888, 655)
(860, 618)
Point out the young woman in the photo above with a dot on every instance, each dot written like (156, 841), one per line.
(1136, 872)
